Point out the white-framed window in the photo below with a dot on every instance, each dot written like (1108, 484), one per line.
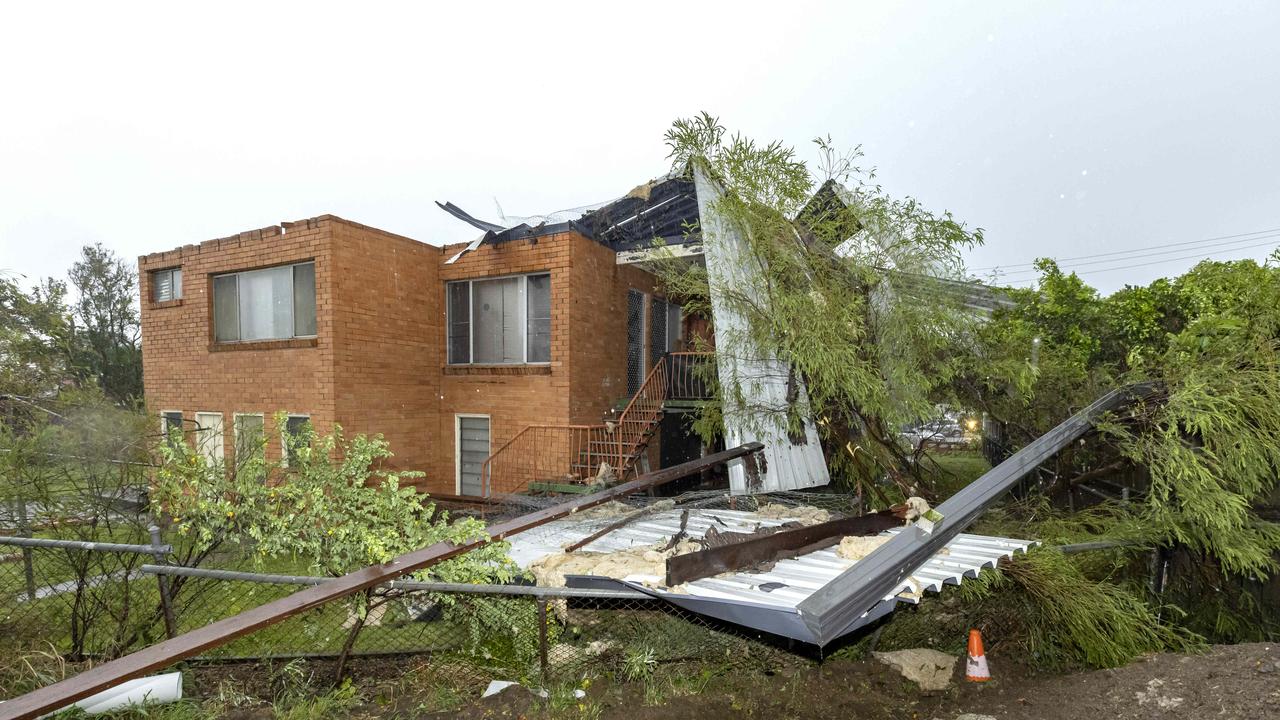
(276, 303)
(496, 321)
(171, 423)
(291, 435)
(209, 436)
(249, 429)
(166, 284)
(471, 449)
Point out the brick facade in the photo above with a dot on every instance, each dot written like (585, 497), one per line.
(378, 362)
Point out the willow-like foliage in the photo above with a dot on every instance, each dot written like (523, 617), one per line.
(846, 298)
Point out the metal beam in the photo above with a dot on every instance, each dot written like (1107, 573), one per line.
(767, 548)
(855, 591)
(161, 655)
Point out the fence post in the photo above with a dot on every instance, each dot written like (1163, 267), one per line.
(542, 640)
(166, 602)
(28, 564)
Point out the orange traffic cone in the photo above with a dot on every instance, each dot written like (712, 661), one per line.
(976, 669)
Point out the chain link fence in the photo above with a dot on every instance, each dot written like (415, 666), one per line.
(65, 605)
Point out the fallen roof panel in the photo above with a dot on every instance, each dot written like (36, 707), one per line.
(766, 600)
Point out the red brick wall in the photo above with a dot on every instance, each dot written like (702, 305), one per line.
(378, 363)
(389, 338)
(513, 397)
(184, 370)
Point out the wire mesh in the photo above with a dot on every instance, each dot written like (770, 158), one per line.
(92, 606)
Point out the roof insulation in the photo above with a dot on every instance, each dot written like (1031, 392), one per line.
(762, 600)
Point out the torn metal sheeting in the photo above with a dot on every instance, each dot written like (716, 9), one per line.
(766, 601)
(858, 589)
(757, 371)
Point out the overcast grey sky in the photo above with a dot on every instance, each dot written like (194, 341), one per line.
(1063, 128)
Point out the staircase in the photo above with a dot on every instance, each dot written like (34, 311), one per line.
(566, 458)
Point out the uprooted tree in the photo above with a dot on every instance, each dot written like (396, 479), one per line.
(866, 300)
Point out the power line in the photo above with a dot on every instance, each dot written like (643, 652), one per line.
(1243, 237)
(1072, 266)
(1153, 262)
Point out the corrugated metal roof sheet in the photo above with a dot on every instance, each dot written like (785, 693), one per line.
(757, 371)
(764, 600)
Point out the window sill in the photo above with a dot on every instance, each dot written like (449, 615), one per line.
(544, 369)
(160, 305)
(264, 345)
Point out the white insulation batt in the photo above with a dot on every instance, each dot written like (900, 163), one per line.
(760, 374)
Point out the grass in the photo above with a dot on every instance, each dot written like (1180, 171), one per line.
(954, 470)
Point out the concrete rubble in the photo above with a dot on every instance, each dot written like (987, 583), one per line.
(930, 669)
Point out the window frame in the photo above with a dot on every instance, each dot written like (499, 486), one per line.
(284, 435)
(175, 283)
(523, 320)
(220, 448)
(164, 424)
(235, 435)
(457, 451)
(293, 296)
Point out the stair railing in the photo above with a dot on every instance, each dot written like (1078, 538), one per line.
(545, 453)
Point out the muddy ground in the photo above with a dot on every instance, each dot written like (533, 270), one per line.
(1228, 682)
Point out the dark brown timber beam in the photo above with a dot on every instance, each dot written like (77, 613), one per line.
(767, 548)
(161, 655)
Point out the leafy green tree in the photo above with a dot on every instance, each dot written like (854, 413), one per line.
(332, 505)
(36, 346)
(847, 300)
(107, 325)
(1201, 452)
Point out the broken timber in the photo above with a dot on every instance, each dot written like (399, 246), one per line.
(768, 548)
(54, 697)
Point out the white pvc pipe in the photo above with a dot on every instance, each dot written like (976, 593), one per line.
(156, 689)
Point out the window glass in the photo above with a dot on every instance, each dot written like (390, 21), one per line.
(248, 436)
(539, 318)
(209, 436)
(673, 327)
(166, 285)
(460, 322)
(266, 304)
(171, 426)
(226, 309)
(270, 304)
(497, 322)
(501, 320)
(304, 300)
(296, 430)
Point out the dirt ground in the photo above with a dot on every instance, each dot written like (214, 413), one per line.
(1228, 682)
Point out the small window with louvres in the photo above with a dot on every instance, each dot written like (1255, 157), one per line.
(166, 285)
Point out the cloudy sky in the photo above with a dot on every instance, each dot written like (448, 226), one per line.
(1125, 135)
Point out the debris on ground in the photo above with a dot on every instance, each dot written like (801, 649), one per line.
(930, 669)
(605, 475)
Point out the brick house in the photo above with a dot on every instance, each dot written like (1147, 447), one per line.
(522, 340)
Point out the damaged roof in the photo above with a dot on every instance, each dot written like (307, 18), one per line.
(765, 600)
(665, 207)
